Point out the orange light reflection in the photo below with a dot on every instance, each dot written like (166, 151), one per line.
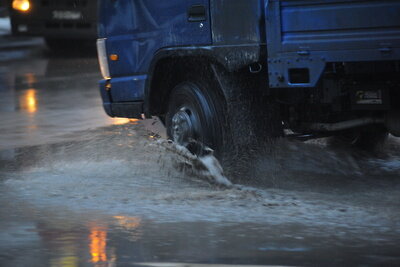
(31, 79)
(128, 223)
(28, 101)
(121, 121)
(98, 244)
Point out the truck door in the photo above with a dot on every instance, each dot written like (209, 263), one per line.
(131, 33)
(136, 29)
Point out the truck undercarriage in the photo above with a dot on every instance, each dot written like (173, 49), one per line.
(349, 95)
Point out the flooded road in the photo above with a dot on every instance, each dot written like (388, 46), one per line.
(80, 189)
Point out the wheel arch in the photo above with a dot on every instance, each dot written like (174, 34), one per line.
(162, 81)
(211, 61)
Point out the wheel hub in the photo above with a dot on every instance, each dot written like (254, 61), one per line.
(182, 127)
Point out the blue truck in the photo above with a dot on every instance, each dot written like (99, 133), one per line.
(224, 72)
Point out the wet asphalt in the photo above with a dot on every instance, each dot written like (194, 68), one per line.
(80, 189)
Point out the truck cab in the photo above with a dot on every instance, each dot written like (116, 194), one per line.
(231, 72)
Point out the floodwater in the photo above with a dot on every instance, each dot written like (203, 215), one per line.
(80, 189)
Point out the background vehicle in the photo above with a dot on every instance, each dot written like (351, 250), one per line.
(220, 71)
(63, 23)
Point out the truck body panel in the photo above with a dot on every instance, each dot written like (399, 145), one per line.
(305, 35)
(136, 30)
(237, 22)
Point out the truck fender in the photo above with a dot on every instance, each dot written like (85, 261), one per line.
(229, 58)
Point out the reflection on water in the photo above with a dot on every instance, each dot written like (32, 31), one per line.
(72, 245)
(98, 244)
(65, 261)
(120, 121)
(131, 225)
(62, 238)
(100, 253)
(46, 99)
(28, 101)
(30, 78)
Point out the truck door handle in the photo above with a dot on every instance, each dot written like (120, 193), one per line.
(197, 13)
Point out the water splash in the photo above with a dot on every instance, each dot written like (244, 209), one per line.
(206, 166)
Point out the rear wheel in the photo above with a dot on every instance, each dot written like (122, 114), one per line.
(196, 117)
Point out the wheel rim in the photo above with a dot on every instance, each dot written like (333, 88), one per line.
(184, 126)
(192, 119)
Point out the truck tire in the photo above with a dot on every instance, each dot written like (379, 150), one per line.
(370, 139)
(196, 118)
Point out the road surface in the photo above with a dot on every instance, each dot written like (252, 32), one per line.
(80, 189)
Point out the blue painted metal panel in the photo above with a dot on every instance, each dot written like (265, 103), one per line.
(127, 89)
(309, 33)
(334, 25)
(124, 90)
(136, 29)
(237, 22)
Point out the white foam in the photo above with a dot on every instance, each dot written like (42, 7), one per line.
(387, 164)
(214, 170)
(206, 166)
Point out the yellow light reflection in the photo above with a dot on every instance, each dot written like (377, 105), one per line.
(65, 261)
(98, 244)
(121, 121)
(31, 79)
(134, 121)
(21, 5)
(129, 223)
(28, 101)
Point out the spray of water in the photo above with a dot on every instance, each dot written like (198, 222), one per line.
(206, 166)
(124, 169)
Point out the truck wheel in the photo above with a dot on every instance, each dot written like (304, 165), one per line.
(370, 139)
(196, 118)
